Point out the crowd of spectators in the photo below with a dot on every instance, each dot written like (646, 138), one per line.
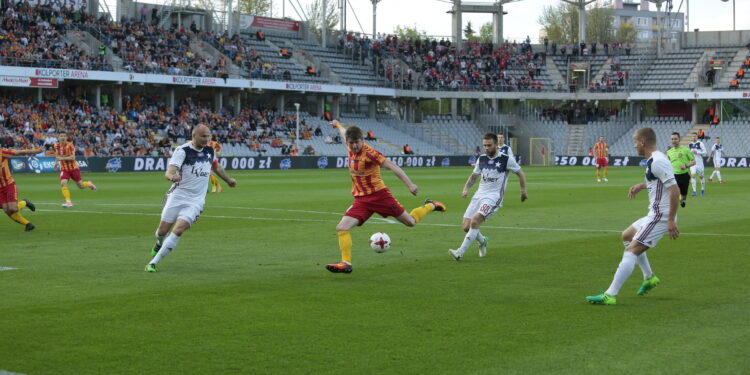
(429, 64)
(145, 127)
(35, 36)
(577, 113)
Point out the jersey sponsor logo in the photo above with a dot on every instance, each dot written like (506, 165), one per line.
(113, 165)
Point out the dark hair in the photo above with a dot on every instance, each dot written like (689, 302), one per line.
(353, 132)
(491, 136)
(676, 133)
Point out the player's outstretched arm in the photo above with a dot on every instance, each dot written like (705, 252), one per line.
(635, 189)
(27, 152)
(172, 174)
(401, 176)
(674, 198)
(219, 171)
(522, 184)
(469, 183)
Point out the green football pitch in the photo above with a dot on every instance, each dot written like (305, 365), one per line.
(246, 292)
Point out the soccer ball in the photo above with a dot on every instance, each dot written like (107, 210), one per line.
(380, 242)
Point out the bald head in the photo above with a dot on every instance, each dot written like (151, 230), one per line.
(201, 136)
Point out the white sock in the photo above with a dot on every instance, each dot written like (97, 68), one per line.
(480, 237)
(692, 181)
(645, 266)
(718, 174)
(624, 270)
(470, 237)
(712, 175)
(159, 239)
(626, 244)
(166, 248)
(703, 183)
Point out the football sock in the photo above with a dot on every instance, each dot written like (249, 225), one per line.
(86, 184)
(645, 266)
(718, 174)
(166, 248)
(214, 180)
(21, 205)
(692, 181)
(480, 237)
(597, 173)
(470, 237)
(420, 212)
(703, 183)
(19, 219)
(624, 270)
(345, 245)
(626, 244)
(66, 193)
(605, 172)
(159, 239)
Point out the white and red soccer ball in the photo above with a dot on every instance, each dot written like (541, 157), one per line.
(380, 242)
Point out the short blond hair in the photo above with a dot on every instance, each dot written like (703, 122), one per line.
(647, 135)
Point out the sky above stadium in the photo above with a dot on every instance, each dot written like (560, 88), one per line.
(431, 16)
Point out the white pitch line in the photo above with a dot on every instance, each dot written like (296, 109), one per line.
(389, 221)
(7, 269)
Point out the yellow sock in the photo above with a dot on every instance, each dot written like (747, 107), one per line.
(420, 212)
(345, 245)
(21, 205)
(66, 193)
(605, 172)
(19, 219)
(214, 180)
(86, 184)
(597, 173)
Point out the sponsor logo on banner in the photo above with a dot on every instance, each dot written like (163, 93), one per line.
(185, 80)
(247, 21)
(150, 164)
(28, 81)
(17, 165)
(322, 162)
(446, 162)
(113, 165)
(61, 73)
(285, 164)
(472, 160)
(43, 82)
(303, 86)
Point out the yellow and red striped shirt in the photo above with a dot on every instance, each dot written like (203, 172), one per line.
(6, 178)
(216, 146)
(601, 150)
(364, 168)
(68, 149)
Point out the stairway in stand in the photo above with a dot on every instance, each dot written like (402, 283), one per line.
(688, 137)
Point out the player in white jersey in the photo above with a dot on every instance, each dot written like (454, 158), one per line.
(189, 170)
(504, 149)
(645, 233)
(716, 152)
(699, 151)
(493, 167)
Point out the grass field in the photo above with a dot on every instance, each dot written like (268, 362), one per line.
(245, 292)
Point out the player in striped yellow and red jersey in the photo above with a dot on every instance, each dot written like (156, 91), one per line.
(65, 158)
(370, 194)
(8, 191)
(601, 153)
(215, 185)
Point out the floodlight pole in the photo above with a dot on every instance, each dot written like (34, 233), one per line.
(375, 17)
(581, 4)
(296, 130)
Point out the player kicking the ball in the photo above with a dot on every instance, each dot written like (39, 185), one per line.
(189, 169)
(645, 233)
(370, 194)
(493, 167)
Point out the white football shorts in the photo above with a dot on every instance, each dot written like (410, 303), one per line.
(179, 209)
(485, 206)
(650, 229)
(696, 170)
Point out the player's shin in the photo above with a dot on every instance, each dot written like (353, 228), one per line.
(65, 192)
(605, 172)
(480, 237)
(645, 266)
(420, 212)
(692, 181)
(86, 184)
(19, 219)
(624, 270)
(169, 244)
(21, 205)
(468, 239)
(345, 245)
